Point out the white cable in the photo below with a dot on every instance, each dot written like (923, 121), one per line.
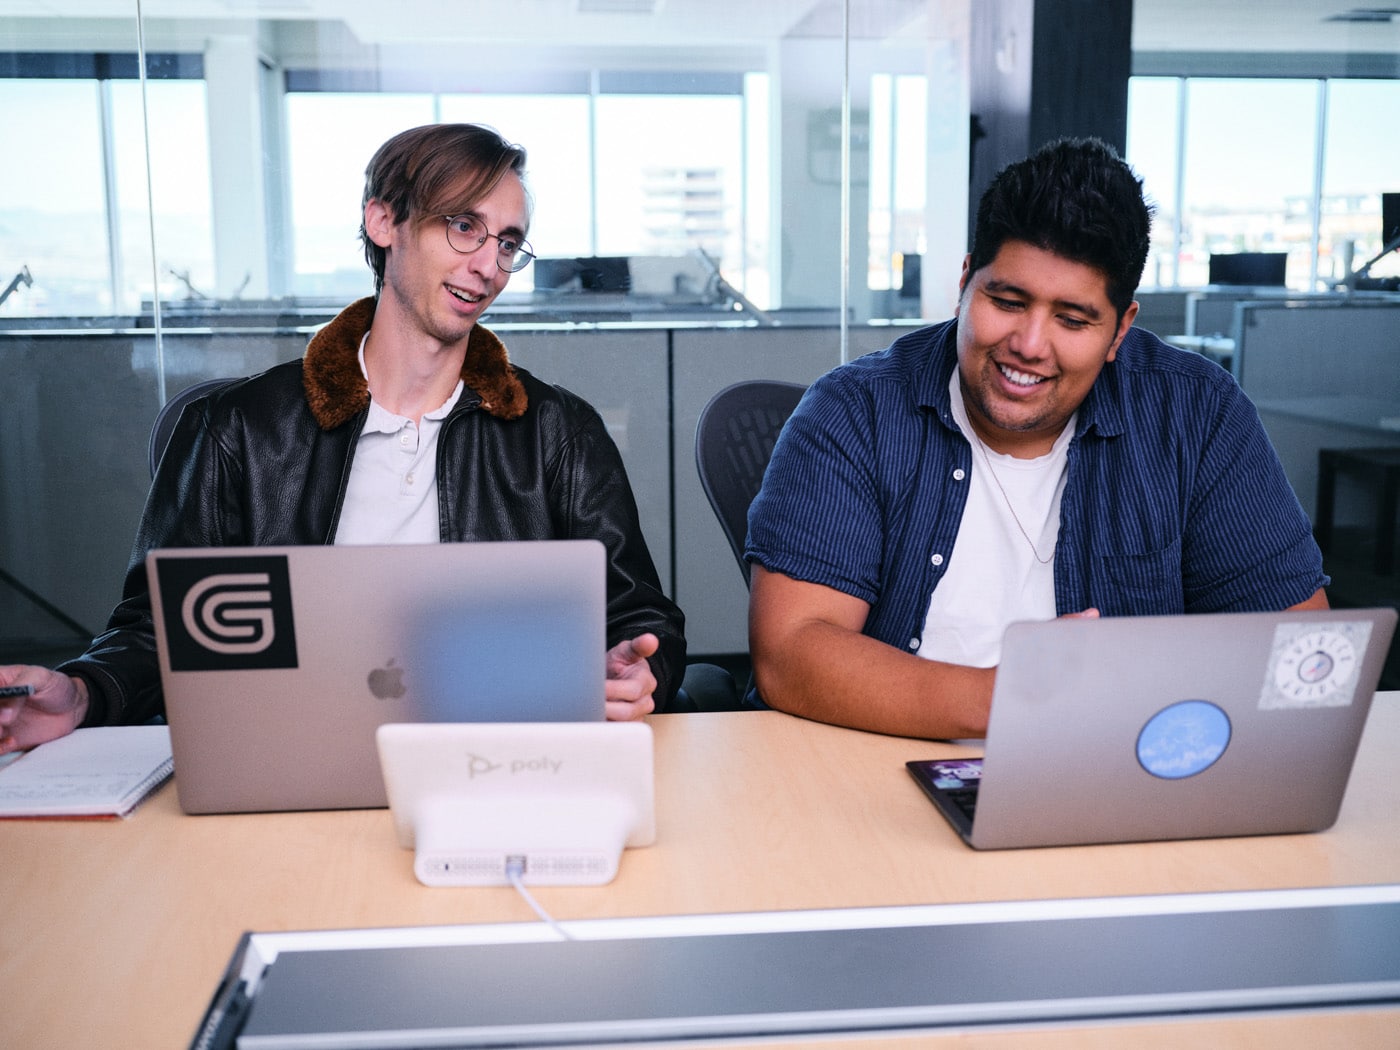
(515, 869)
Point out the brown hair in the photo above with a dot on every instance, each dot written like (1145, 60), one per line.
(435, 170)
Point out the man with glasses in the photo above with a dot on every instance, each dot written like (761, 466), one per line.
(405, 422)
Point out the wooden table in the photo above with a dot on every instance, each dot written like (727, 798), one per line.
(115, 934)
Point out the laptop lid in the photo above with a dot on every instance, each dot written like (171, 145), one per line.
(279, 663)
(1130, 729)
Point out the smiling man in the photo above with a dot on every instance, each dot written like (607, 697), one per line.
(1034, 457)
(405, 422)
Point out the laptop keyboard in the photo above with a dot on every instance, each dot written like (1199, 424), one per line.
(965, 798)
(952, 785)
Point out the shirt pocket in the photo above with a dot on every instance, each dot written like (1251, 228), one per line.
(1147, 583)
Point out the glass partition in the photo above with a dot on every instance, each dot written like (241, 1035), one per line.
(1361, 167)
(189, 200)
(721, 191)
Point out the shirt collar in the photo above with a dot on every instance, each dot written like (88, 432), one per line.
(931, 380)
(380, 419)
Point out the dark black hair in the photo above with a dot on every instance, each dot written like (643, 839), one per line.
(1077, 199)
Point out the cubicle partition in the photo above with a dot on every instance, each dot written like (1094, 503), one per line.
(623, 373)
(1324, 374)
(73, 462)
(650, 385)
(1212, 311)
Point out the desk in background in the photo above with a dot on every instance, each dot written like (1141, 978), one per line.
(115, 935)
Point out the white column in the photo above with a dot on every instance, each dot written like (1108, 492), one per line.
(232, 74)
(949, 110)
(807, 242)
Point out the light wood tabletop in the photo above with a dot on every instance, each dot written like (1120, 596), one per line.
(116, 933)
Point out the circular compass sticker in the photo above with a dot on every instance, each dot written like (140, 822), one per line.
(1314, 665)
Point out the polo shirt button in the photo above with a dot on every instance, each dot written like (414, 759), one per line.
(913, 643)
(959, 474)
(937, 559)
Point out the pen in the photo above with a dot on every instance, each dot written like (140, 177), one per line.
(8, 691)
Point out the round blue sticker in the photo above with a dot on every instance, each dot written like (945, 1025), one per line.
(1183, 739)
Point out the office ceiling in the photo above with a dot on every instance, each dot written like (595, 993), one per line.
(1159, 25)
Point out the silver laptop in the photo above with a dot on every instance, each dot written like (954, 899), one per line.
(1131, 729)
(279, 663)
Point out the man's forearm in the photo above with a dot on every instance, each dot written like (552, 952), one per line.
(831, 674)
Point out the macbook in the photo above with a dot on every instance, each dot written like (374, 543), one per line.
(1129, 729)
(279, 663)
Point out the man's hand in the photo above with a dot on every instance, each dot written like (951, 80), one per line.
(630, 681)
(55, 708)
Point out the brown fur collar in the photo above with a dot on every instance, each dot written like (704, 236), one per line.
(336, 390)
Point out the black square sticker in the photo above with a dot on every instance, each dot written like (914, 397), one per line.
(227, 613)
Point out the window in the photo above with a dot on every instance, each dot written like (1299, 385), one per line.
(179, 186)
(1247, 153)
(610, 174)
(671, 177)
(554, 129)
(330, 139)
(53, 200)
(1154, 136)
(898, 180)
(1361, 161)
(1247, 179)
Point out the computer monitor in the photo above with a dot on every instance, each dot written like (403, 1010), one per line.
(1390, 217)
(1259, 269)
(595, 273)
(910, 284)
(605, 273)
(556, 275)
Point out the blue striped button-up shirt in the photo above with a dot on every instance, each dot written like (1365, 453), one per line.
(1174, 500)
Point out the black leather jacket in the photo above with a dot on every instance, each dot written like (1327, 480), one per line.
(265, 461)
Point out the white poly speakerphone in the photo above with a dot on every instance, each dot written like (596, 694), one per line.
(554, 802)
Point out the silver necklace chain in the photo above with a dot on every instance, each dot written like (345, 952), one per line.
(987, 459)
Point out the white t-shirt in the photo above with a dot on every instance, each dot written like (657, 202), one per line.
(994, 576)
(391, 496)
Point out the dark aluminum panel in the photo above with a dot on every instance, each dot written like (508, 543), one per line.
(827, 981)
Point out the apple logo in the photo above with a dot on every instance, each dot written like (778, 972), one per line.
(386, 682)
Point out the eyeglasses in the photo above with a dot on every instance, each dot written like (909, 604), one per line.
(467, 233)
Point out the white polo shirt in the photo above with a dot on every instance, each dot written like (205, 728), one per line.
(391, 496)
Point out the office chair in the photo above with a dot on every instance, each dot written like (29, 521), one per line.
(733, 440)
(169, 415)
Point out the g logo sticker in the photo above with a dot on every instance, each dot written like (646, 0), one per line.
(227, 613)
(230, 613)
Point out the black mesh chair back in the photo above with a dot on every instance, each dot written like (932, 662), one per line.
(169, 415)
(733, 441)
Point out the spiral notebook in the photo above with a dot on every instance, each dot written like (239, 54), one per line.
(94, 773)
